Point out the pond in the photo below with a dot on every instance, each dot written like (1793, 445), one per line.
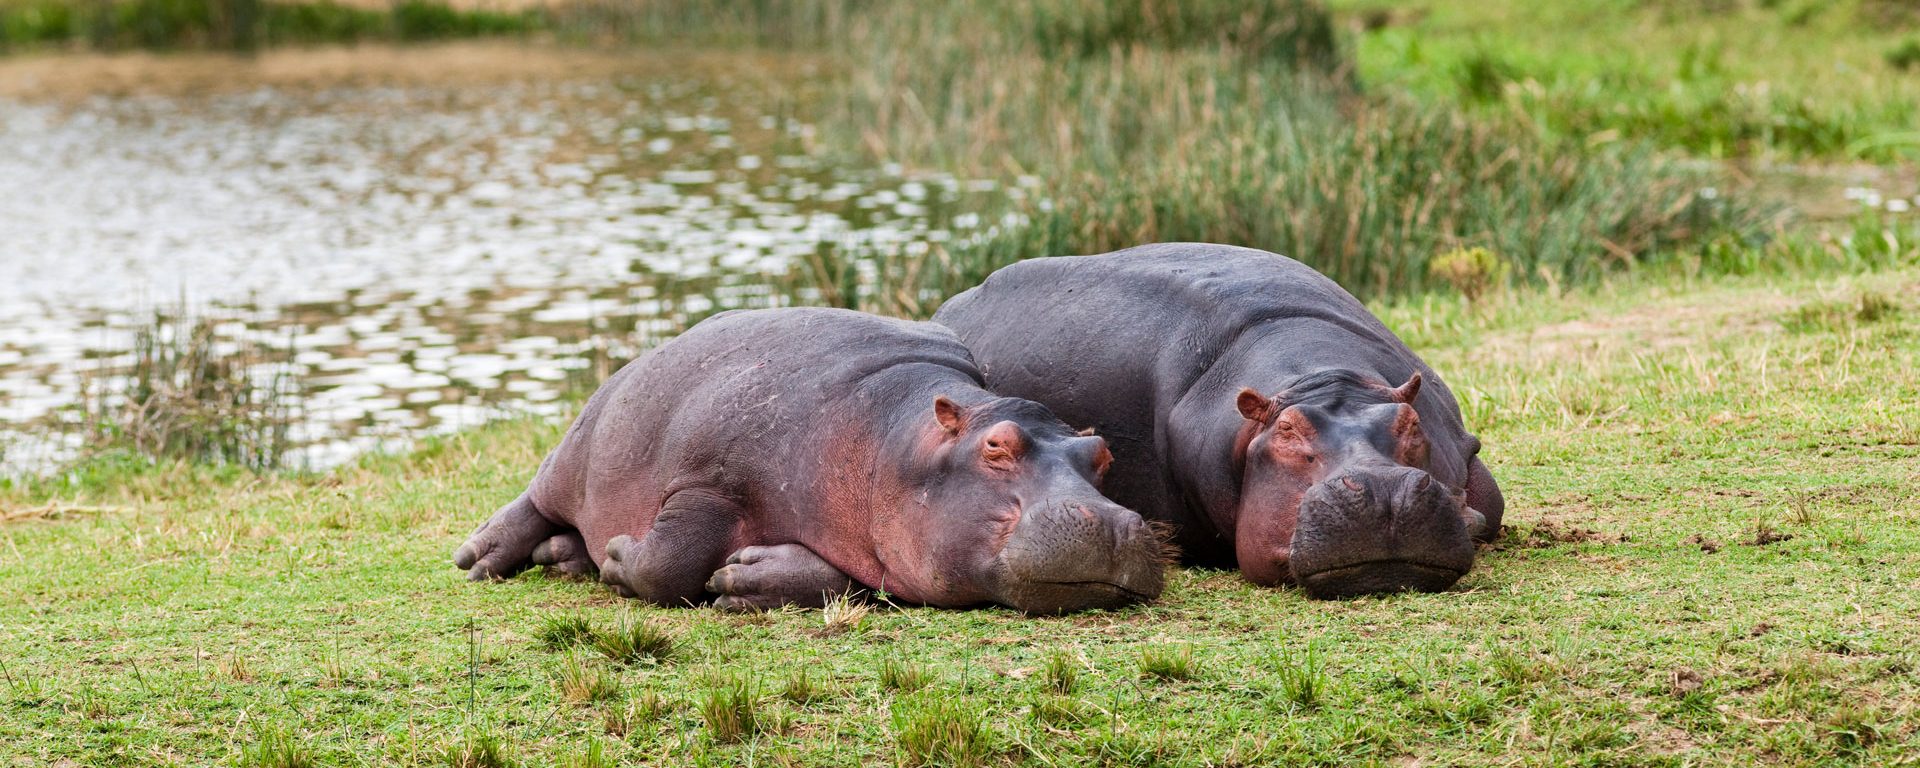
(412, 258)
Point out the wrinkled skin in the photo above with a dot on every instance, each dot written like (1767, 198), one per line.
(1251, 403)
(786, 456)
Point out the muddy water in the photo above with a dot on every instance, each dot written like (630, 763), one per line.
(422, 257)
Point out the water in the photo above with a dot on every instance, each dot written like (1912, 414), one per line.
(427, 258)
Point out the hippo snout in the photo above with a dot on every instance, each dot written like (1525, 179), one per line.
(1387, 530)
(1080, 555)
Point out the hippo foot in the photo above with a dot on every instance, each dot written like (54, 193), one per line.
(671, 562)
(503, 545)
(566, 555)
(764, 578)
(619, 570)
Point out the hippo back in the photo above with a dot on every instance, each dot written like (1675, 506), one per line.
(1118, 341)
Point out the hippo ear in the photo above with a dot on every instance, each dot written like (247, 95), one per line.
(949, 415)
(1254, 406)
(1405, 393)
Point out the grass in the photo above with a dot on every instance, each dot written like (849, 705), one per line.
(844, 614)
(1302, 681)
(802, 689)
(580, 683)
(1622, 422)
(276, 748)
(729, 707)
(565, 630)
(1060, 674)
(1168, 662)
(478, 746)
(903, 675)
(942, 731)
(1768, 78)
(1174, 138)
(632, 641)
(243, 25)
(643, 710)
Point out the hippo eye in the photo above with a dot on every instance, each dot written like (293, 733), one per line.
(1002, 445)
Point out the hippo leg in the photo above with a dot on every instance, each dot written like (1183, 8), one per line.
(566, 555)
(503, 545)
(669, 565)
(1483, 495)
(764, 578)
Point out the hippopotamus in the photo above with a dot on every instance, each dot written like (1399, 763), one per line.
(786, 456)
(1249, 402)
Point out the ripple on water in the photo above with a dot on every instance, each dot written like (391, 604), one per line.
(428, 258)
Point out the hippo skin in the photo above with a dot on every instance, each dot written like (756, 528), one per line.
(785, 456)
(1251, 403)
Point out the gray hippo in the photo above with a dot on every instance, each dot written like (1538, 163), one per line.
(782, 456)
(1251, 403)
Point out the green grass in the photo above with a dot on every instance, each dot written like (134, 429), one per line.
(1826, 80)
(175, 609)
(1061, 673)
(276, 748)
(944, 731)
(241, 24)
(565, 630)
(730, 708)
(1168, 662)
(582, 683)
(633, 641)
(1172, 138)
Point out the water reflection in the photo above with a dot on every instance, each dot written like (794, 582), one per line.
(429, 257)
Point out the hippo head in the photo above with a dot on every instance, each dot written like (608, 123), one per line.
(1336, 495)
(1010, 510)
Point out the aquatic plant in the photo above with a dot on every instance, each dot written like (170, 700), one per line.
(188, 393)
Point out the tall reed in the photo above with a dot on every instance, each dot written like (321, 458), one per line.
(188, 394)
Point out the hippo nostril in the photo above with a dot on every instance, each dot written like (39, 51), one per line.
(1351, 484)
(1426, 481)
(1476, 524)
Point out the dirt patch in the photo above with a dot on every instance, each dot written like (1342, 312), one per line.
(1549, 533)
(1684, 681)
(1764, 535)
(52, 510)
(72, 77)
(1706, 544)
(1665, 325)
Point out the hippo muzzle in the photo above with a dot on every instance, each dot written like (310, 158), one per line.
(1079, 555)
(1382, 530)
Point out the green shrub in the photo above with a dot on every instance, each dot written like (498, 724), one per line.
(1906, 55)
(1474, 272)
(244, 24)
